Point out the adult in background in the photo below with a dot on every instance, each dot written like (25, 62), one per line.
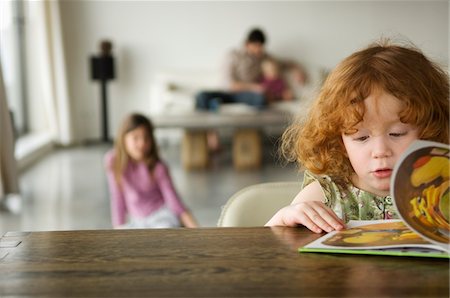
(244, 75)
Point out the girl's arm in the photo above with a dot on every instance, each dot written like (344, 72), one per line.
(188, 220)
(118, 207)
(308, 209)
(171, 198)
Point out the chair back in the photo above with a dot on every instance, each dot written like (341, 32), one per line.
(254, 205)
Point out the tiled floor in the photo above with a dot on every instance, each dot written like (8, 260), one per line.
(67, 189)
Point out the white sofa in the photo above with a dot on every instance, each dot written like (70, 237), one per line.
(173, 92)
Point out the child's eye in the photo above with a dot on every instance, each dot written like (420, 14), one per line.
(361, 139)
(397, 134)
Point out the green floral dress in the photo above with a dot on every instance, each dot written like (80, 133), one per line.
(353, 203)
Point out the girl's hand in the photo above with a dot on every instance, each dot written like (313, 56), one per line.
(314, 215)
(188, 220)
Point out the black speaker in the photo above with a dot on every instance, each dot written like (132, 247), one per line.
(102, 68)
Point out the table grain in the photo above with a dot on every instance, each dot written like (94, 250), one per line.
(204, 262)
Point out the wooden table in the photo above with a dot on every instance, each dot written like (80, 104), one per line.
(206, 262)
(247, 147)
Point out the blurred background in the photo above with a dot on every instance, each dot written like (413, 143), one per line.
(45, 49)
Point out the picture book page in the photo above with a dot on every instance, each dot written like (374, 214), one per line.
(420, 188)
(373, 234)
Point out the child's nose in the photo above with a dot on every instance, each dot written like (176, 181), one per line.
(142, 145)
(381, 148)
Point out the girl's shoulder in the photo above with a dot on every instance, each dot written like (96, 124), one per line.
(109, 158)
(161, 168)
(336, 190)
(326, 183)
(309, 177)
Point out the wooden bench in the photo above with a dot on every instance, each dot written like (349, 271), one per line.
(247, 142)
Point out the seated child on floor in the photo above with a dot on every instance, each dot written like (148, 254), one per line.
(141, 188)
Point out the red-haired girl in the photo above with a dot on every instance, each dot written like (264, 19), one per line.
(370, 109)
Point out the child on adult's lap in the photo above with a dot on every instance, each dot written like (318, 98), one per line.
(273, 84)
(370, 109)
(139, 181)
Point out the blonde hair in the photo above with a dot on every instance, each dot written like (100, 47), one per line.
(270, 65)
(402, 71)
(122, 158)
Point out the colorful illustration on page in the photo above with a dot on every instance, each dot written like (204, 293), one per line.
(381, 234)
(421, 192)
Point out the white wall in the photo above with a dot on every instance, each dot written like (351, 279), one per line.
(150, 37)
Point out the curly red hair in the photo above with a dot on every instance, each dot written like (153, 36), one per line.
(403, 71)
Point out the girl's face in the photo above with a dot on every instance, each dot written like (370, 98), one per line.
(379, 141)
(270, 70)
(137, 143)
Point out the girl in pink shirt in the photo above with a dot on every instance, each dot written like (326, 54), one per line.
(141, 189)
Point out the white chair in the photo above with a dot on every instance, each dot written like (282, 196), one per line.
(256, 204)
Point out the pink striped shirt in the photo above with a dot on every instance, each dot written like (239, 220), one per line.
(140, 194)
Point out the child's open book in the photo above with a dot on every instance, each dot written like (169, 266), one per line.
(420, 189)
